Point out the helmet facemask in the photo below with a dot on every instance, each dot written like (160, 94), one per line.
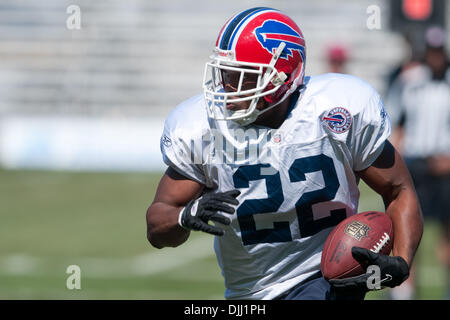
(247, 82)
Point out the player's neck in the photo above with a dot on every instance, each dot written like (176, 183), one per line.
(274, 117)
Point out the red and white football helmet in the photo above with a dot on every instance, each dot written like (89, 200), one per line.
(261, 44)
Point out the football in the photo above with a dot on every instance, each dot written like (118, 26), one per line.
(371, 230)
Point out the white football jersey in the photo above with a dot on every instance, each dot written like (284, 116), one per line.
(296, 182)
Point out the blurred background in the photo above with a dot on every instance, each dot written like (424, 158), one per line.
(85, 87)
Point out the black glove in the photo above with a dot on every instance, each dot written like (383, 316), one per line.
(197, 213)
(393, 271)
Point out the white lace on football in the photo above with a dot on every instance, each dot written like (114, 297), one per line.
(381, 243)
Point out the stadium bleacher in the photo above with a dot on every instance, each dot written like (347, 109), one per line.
(135, 60)
(141, 58)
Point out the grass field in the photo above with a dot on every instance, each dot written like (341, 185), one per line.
(50, 220)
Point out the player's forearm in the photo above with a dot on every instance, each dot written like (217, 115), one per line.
(163, 229)
(404, 209)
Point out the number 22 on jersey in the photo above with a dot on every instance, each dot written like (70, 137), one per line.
(281, 230)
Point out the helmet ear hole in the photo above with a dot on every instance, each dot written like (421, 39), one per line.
(282, 80)
(288, 77)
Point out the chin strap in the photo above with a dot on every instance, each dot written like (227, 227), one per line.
(256, 113)
(246, 120)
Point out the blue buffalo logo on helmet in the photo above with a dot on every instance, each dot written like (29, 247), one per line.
(273, 32)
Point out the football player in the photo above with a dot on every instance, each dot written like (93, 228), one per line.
(269, 160)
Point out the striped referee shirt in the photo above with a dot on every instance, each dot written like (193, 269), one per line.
(421, 105)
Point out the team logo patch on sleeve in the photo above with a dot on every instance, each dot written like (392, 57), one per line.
(338, 120)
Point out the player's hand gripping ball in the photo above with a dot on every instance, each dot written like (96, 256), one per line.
(358, 242)
(371, 230)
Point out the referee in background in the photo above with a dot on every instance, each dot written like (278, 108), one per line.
(419, 105)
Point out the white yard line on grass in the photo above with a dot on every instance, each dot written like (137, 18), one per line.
(151, 263)
(19, 264)
(146, 264)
